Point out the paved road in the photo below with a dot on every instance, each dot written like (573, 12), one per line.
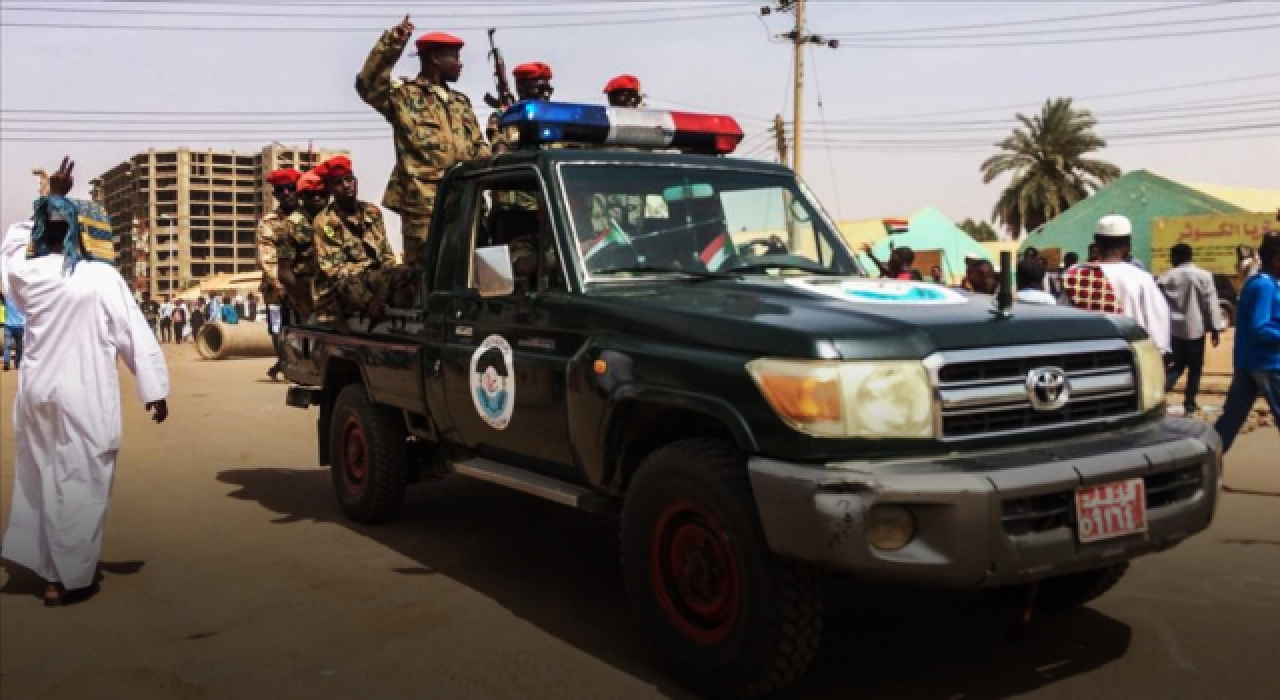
(229, 573)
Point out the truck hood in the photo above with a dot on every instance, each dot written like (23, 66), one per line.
(839, 318)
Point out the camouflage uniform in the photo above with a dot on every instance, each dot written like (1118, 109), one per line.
(297, 248)
(355, 264)
(271, 235)
(434, 127)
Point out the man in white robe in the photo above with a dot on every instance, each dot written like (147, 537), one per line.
(81, 318)
(1116, 286)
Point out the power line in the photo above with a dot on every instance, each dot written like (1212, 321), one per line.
(239, 14)
(1043, 20)
(345, 29)
(1061, 42)
(1063, 30)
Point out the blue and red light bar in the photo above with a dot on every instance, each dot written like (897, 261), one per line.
(539, 122)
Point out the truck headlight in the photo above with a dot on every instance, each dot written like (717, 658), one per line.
(1150, 373)
(886, 399)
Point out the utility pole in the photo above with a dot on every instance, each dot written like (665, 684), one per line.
(780, 138)
(799, 38)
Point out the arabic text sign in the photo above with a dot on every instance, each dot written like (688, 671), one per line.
(1213, 238)
(1111, 510)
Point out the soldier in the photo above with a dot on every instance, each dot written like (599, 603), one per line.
(296, 251)
(434, 126)
(533, 82)
(624, 91)
(271, 234)
(356, 269)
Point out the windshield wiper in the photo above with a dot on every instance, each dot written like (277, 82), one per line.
(693, 274)
(790, 265)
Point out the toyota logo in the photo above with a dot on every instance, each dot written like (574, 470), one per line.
(1047, 388)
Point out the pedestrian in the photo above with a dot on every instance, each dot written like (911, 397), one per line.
(151, 312)
(1257, 350)
(1113, 285)
(251, 305)
(1030, 280)
(227, 312)
(980, 277)
(166, 321)
(179, 320)
(900, 261)
(213, 314)
(67, 430)
(1247, 264)
(241, 311)
(14, 330)
(1193, 313)
(197, 318)
(433, 125)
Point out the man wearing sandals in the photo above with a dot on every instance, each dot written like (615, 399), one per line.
(82, 318)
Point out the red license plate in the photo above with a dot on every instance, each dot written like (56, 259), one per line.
(1111, 510)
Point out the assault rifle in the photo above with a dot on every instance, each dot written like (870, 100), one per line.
(505, 97)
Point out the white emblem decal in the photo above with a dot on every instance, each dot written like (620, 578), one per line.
(879, 291)
(493, 382)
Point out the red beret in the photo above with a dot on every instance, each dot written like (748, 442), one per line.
(311, 182)
(284, 176)
(622, 82)
(337, 166)
(439, 40)
(532, 71)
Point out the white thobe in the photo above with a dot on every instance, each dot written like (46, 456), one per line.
(1140, 297)
(66, 415)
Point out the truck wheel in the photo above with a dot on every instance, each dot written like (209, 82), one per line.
(370, 457)
(723, 612)
(1072, 590)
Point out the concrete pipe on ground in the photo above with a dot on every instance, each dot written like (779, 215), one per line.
(219, 341)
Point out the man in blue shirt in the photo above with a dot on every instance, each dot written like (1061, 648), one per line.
(1257, 349)
(14, 325)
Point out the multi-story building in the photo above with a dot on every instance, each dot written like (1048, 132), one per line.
(182, 215)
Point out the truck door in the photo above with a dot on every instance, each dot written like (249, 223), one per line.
(506, 358)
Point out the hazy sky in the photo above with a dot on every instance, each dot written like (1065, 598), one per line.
(868, 153)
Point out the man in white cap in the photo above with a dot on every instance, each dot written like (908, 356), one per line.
(1112, 285)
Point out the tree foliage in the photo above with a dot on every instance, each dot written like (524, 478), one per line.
(979, 231)
(1048, 158)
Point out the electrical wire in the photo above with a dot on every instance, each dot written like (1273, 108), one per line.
(1038, 20)
(822, 114)
(1062, 42)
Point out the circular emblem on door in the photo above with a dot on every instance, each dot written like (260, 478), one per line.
(493, 382)
(1047, 388)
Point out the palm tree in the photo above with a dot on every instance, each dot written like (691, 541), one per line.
(1046, 156)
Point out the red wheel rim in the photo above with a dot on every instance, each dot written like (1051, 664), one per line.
(355, 455)
(694, 573)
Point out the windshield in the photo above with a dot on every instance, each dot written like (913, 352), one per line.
(631, 220)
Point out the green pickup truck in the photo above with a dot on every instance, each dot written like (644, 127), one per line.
(684, 342)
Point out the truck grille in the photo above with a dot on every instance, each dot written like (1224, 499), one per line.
(983, 393)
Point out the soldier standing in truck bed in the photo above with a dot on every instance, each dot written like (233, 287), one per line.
(533, 82)
(356, 268)
(434, 125)
(296, 251)
(271, 235)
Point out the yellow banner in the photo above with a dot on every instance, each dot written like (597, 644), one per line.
(1213, 239)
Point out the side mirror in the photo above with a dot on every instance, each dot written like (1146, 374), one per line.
(493, 274)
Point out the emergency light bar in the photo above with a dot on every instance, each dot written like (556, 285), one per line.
(537, 122)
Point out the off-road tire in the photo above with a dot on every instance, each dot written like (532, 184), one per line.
(1072, 590)
(370, 457)
(693, 489)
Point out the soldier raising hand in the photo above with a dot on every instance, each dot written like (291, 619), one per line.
(434, 126)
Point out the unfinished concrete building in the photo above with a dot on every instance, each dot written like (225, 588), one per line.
(182, 215)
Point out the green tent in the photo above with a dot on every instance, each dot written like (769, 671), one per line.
(931, 230)
(1140, 195)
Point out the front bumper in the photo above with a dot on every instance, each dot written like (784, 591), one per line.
(995, 517)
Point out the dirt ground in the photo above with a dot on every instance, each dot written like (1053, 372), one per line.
(228, 572)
